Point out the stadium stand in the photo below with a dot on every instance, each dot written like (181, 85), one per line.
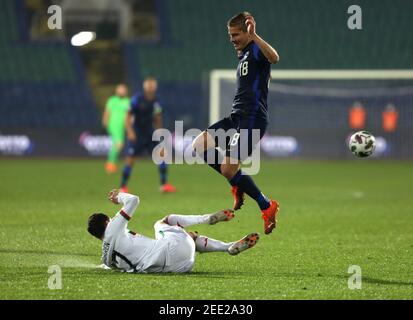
(194, 40)
(42, 84)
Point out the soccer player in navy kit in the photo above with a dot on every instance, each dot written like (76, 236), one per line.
(144, 115)
(249, 111)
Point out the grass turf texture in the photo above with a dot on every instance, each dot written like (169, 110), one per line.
(333, 215)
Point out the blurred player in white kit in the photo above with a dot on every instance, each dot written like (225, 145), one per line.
(172, 250)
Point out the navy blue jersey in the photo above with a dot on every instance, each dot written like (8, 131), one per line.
(253, 75)
(143, 112)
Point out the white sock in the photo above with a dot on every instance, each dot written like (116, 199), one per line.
(205, 244)
(185, 220)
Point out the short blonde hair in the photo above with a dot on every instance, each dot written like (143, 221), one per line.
(239, 21)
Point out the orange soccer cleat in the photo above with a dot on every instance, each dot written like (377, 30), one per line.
(269, 216)
(167, 188)
(245, 243)
(124, 189)
(222, 215)
(239, 197)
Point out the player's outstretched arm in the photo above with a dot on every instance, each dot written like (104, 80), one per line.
(269, 52)
(129, 202)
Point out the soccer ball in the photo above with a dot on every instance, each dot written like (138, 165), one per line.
(362, 144)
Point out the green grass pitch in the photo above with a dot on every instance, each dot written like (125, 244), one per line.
(334, 214)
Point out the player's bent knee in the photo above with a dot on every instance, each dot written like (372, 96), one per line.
(134, 200)
(198, 143)
(130, 161)
(228, 171)
(203, 142)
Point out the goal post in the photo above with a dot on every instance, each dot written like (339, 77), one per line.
(306, 104)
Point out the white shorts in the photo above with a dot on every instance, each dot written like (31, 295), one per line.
(181, 253)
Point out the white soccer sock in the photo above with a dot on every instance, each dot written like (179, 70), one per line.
(185, 220)
(205, 244)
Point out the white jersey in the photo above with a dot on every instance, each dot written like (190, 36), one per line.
(130, 252)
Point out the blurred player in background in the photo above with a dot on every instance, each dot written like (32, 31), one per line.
(173, 250)
(144, 116)
(249, 111)
(113, 121)
(390, 117)
(357, 116)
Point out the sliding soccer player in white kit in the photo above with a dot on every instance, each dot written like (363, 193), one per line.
(173, 250)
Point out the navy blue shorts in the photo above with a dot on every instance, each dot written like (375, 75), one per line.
(142, 146)
(241, 145)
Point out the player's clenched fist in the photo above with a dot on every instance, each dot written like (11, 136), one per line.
(113, 196)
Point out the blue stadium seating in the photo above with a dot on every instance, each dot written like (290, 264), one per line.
(41, 84)
(307, 34)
